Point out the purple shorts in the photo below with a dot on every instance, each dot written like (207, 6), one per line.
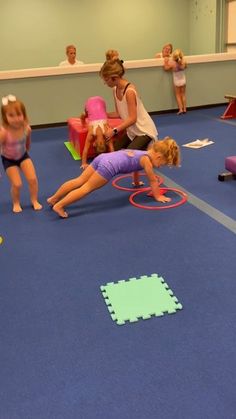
(103, 167)
(9, 162)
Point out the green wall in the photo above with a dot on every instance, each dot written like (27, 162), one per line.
(56, 98)
(203, 26)
(34, 33)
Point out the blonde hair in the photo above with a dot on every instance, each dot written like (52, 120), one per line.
(70, 47)
(178, 55)
(168, 45)
(111, 54)
(112, 68)
(18, 106)
(169, 150)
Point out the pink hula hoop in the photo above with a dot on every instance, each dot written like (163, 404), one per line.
(136, 188)
(183, 199)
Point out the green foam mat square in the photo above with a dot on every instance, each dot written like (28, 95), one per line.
(139, 298)
(72, 150)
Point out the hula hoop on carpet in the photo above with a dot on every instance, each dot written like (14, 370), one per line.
(183, 199)
(131, 189)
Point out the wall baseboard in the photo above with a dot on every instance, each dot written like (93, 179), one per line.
(191, 108)
(63, 124)
(53, 125)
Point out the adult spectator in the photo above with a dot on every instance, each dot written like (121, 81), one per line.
(71, 57)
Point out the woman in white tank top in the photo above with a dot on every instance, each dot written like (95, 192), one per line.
(137, 125)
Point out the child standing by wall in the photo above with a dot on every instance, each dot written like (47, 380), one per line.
(95, 111)
(106, 166)
(15, 144)
(177, 65)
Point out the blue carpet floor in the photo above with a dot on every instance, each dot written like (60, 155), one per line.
(61, 355)
(200, 168)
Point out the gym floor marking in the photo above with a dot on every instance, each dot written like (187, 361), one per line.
(115, 182)
(212, 212)
(161, 206)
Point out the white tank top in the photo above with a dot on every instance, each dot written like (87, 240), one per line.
(144, 124)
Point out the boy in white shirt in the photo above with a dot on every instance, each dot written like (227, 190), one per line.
(71, 57)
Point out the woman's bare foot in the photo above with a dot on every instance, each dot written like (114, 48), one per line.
(60, 211)
(16, 208)
(37, 206)
(51, 200)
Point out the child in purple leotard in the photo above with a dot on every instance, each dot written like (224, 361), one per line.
(106, 166)
(95, 112)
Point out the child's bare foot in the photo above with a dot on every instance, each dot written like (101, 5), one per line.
(60, 211)
(51, 200)
(37, 206)
(16, 208)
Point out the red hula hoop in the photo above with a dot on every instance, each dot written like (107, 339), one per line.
(183, 199)
(136, 188)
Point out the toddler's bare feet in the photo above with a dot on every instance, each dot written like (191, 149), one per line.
(51, 200)
(16, 208)
(60, 211)
(37, 206)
